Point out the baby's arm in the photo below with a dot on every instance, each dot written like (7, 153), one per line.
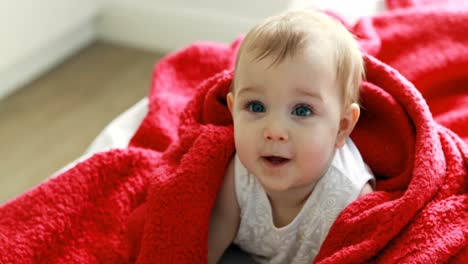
(225, 218)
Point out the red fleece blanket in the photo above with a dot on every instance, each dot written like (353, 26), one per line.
(150, 202)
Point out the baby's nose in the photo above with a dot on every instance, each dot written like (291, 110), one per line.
(275, 132)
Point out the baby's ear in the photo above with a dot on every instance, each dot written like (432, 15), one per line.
(230, 101)
(348, 120)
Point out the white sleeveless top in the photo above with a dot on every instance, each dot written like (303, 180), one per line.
(300, 240)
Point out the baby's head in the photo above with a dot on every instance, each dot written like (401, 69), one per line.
(291, 33)
(294, 97)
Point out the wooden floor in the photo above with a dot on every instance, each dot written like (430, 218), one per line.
(52, 120)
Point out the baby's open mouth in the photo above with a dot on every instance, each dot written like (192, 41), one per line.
(276, 160)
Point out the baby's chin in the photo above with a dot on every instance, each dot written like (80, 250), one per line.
(274, 184)
(285, 182)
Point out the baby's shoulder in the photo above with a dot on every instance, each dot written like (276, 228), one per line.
(349, 163)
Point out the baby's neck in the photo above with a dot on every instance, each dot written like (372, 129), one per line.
(285, 206)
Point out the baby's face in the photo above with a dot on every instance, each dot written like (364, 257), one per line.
(286, 118)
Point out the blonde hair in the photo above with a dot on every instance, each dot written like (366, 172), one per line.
(289, 33)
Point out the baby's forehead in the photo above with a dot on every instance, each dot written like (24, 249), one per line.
(315, 58)
(300, 80)
(319, 50)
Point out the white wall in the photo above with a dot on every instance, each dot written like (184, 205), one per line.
(35, 35)
(253, 9)
(164, 25)
(169, 25)
(350, 10)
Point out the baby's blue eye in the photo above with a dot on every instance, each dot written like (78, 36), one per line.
(256, 107)
(302, 111)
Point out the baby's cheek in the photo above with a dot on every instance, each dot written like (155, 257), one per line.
(243, 139)
(314, 152)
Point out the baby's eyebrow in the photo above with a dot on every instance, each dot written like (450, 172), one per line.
(248, 89)
(309, 93)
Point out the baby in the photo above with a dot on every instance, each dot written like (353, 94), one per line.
(294, 103)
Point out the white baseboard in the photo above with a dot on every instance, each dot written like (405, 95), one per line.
(164, 26)
(32, 66)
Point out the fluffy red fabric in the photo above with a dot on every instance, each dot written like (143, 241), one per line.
(150, 203)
